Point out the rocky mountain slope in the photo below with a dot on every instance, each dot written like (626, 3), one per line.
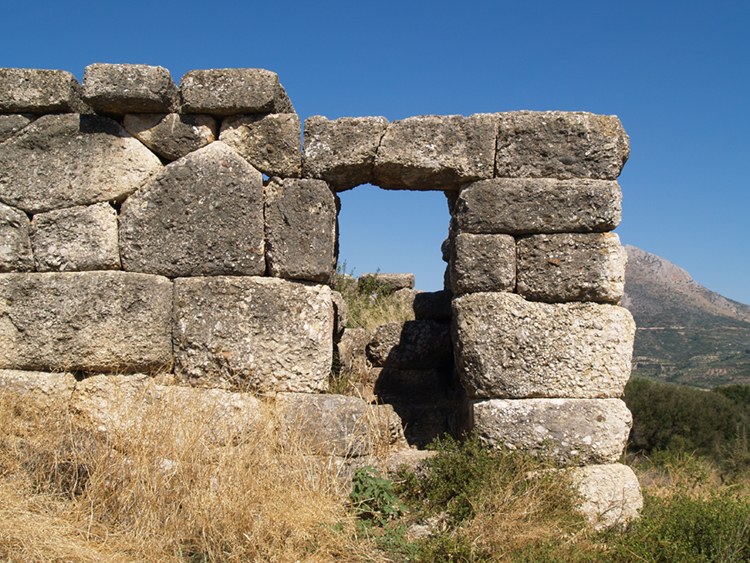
(686, 333)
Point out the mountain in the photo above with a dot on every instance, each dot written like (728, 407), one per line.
(686, 333)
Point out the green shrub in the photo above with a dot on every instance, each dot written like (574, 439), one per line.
(373, 498)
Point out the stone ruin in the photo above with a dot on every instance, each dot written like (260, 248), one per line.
(147, 228)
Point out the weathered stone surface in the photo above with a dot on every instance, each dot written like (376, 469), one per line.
(125, 404)
(483, 263)
(66, 160)
(508, 347)
(76, 239)
(351, 353)
(569, 431)
(11, 124)
(269, 142)
(571, 267)
(342, 151)
(539, 205)
(610, 494)
(85, 321)
(233, 91)
(129, 88)
(436, 152)
(433, 305)
(263, 334)
(336, 424)
(203, 215)
(556, 144)
(411, 345)
(35, 390)
(171, 135)
(300, 220)
(385, 282)
(340, 314)
(38, 91)
(15, 248)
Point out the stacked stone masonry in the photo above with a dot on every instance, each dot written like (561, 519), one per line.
(150, 227)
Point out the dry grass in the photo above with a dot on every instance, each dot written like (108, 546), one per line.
(163, 491)
(370, 306)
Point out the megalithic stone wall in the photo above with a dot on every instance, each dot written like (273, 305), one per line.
(147, 227)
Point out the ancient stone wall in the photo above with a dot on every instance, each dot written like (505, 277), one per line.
(150, 228)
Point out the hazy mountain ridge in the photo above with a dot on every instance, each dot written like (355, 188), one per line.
(686, 333)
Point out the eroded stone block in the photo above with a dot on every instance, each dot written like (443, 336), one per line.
(483, 263)
(85, 321)
(76, 239)
(569, 431)
(300, 220)
(203, 215)
(269, 142)
(37, 391)
(12, 123)
(557, 144)
(610, 494)
(508, 347)
(411, 345)
(65, 160)
(342, 151)
(38, 91)
(538, 205)
(171, 135)
(571, 267)
(436, 152)
(233, 91)
(15, 248)
(261, 334)
(128, 88)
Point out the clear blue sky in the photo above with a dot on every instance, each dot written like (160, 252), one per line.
(676, 72)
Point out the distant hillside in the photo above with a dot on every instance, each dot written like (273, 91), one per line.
(686, 333)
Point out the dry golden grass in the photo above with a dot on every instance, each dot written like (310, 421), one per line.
(163, 491)
(370, 307)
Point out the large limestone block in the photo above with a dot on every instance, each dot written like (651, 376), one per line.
(342, 151)
(233, 91)
(336, 424)
(36, 390)
(38, 91)
(385, 283)
(568, 431)
(263, 334)
(538, 205)
(85, 321)
(203, 215)
(65, 160)
(171, 136)
(129, 88)
(556, 144)
(76, 239)
(434, 152)
(300, 220)
(15, 248)
(269, 142)
(411, 345)
(125, 405)
(433, 305)
(12, 123)
(610, 494)
(508, 347)
(572, 267)
(483, 263)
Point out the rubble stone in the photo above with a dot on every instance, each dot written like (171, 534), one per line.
(557, 144)
(411, 345)
(300, 218)
(37, 391)
(571, 267)
(436, 152)
(610, 494)
(385, 282)
(261, 334)
(569, 431)
(483, 263)
(171, 136)
(433, 306)
(128, 88)
(203, 215)
(85, 321)
(342, 151)
(538, 205)
(15, 248)
(507, 347)
(11, 124)
(269, 142)
(76, 239)
(65, 160)
(38, 91)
